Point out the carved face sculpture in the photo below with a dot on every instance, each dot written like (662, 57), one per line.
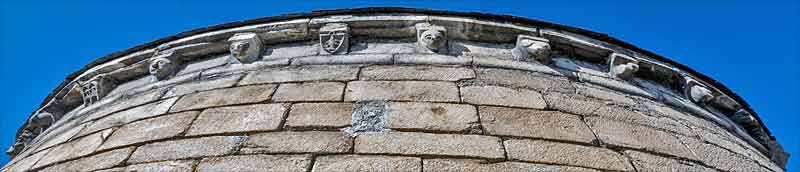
(432, 39)
(626, 71)
(161, 68)
(700, 94)
(239, 49)
(538, 50)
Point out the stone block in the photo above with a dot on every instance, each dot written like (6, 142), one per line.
(77, 148)
(366, 163)
(57, 136)
(298, 142)
(463, 165)
(223, 97)
(431, 59)
(100, 161)
(319, 115)
(253, 163)
(535, 124)
(618, 85)
(187, 148)
(636, 116)
(603, 94)
(203, 85)
(621, 134)
(565, 154)
(151, 129)
(416, 73)
(525, 79)
(344, 59)
(203, 65)
(306, 73)
(406, 143)
(427, 91)
(431, 116)
(309, 91)
(290, 50)
(25, 163)
(720, 158)
(502, 96)
(116, 106)
(389, 47)
(515, 65)
(572, 103)
(165, 166)
(234, 119)
(130, 115)
(645, 162)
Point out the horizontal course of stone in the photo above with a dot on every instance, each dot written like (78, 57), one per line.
(452, 93)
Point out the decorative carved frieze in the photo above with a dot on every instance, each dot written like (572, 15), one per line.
(334, 38)
(245, 47)
(530, 47)
(96, 88)
(622, 66)
(431, 37)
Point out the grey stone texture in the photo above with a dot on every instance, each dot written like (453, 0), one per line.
(534, 124)
(366, 163)
(314, 91)
(319, 115)
(222, 97)
(431, 116)
(565, 154)
(186, 148)
(616, 133)
(315, 73)
(298, 142)
(255, 163)
(392, 73)
(151, 129)
(426, 91)
(464, 165)
(407, 143)
(100, 161)
(502, 96)
(234, 119)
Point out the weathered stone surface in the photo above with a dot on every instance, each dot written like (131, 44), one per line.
(100, 161)
(515, 65)
(60, 135)
(255, 163)
(203, 85)
(130, 115)
(534, 123)
(151, 129)
(186, 148)
(222, 97)
(531, 80)
(431, 116)
(232, 119)
(319, 115)
(365, 163)
(127, 102)
(166, 166)
(502, 96)
(616, 85)
(298, 142)
(572, 103)
(429, 144)
(416, 73)
(645, 162)
(312, 91)
(566, 154)
(428, 91)
(431, 59)
(24, 164)
(79, 147)
(344, 59)
(720, 158)
(603, 94)
(636, 116)
(623, 134)
(203, 65)
(316, 73)
(464, 165)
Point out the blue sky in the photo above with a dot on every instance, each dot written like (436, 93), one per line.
(750, 46)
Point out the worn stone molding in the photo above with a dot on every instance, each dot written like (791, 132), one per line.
(441, 38)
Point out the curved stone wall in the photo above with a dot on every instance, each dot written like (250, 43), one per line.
(389, 89)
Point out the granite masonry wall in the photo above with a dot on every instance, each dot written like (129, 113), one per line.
(385, 89)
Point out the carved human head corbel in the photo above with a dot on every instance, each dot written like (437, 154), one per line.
(245, 47)
(334, 38)
(622, 66)
(530, 47)
(697, 92)
(162, 68)
(431, 37)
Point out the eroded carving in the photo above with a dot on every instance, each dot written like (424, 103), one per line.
(530, 47)
(96, 88)
(162, 68)
(245, 47)
(334, 38)
(622, 66)
(431, 37)
(696, 91)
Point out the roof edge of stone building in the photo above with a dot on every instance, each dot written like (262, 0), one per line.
(382, 10)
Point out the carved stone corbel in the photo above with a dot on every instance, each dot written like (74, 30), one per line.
(245, 47)
(622, 66)
(162, 66)
(530, 47)
(697, 92)
(334, 38)
(96, 88)
(431, 37)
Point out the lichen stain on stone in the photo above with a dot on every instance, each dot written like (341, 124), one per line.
(368, 116)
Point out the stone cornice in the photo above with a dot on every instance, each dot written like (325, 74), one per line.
(693, 91)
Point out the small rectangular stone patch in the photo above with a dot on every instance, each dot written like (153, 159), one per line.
(253, 163)
(298, 142)
(407, 143)
(566, 154)
(309, 91)
(351, 163)
(428, 91)
(464, 165)
(222, 97)
(233, 119)
(151, 129)
(431, 116)
(416, 73)
(502, 96)
(313, 73)
(187, 148)
(319, 115)
(534, 123)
